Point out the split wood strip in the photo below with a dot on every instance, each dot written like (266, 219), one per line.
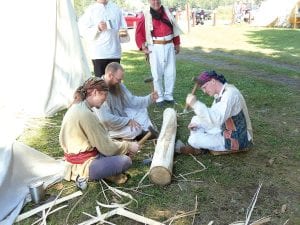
(252, 204)
(262, 221)
(47, 205)
(190, 213)
(101, 218)
(162, 162)
(200, 163)
(120, 194)
(75, 205)
(136, 217)
(196, 207)
(53, 211)
(121, 212)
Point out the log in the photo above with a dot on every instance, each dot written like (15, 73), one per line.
(162, 162)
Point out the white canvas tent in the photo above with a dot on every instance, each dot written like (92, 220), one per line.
(275, 13)
(42, 63)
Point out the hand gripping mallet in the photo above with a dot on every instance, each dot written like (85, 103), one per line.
(193, 92)
(151, 131)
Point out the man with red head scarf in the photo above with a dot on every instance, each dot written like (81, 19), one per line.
(223, 127)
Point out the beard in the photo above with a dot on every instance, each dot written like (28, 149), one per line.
(115, 89)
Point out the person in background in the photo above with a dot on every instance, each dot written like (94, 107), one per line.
(88, 149)
(157, 35)
(237, 12)
(100, 25)
(223, 127)
(124, 114)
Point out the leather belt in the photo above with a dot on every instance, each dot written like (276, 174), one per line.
(162, 42)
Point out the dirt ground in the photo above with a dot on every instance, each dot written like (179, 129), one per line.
(285, 80)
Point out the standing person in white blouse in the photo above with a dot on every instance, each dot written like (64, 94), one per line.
(223, 127)
(100, 25)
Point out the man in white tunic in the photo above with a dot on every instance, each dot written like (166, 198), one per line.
(124, 114)
(100, 25)
(225, 126)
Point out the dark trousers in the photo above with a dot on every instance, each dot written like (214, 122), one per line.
(100, 65)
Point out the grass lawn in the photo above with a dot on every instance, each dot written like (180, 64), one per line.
(264, 65)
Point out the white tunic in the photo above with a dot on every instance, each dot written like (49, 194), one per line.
(102, 44)
(115, 114)
(208, 134)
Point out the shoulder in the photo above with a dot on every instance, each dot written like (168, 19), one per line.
(79, 110)
(231, 88)
(233, 94)
(113, 6)
(92, 7)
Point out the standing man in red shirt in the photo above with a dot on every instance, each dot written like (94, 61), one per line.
(157, 35)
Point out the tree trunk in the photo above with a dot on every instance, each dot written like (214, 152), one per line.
(162, 162)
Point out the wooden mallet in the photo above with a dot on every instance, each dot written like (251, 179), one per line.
(193, 92)
(151, 132)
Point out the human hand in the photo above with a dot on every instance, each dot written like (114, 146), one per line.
(193, 126)
(102, 26)
(134, 147)
(154, 96)
(190, 100)
(177, 49)
(133, 124)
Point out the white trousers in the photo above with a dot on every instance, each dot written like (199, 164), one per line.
(211, 139)
(139, 115)
(163, 68)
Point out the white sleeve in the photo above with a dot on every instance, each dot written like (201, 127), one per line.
(219, 112)
(87, 28)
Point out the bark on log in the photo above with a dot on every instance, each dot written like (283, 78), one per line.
(162, 162)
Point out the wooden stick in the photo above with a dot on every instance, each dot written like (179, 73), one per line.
(196, 207)
(145, 138)
(262, 221)
(190, 213)
(136, 217)
(74, 206)
(193, 92)
(53, 211)
(121, 212)
(252, 204)
(196, 171)
(200, 163)
(47, 205)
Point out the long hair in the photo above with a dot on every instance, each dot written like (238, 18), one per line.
(85, 90)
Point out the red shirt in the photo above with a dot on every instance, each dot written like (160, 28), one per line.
(160, 29)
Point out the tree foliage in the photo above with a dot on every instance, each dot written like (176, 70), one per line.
(80, 5)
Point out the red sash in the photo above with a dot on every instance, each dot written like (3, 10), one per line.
(81, 157)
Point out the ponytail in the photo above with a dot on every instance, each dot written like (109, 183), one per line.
(83, 91)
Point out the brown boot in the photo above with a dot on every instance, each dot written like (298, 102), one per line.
(118, 179)
(186, 150)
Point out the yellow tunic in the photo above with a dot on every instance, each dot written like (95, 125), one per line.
(81, 131)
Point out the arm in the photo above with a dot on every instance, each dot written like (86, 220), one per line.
(140, 33)
(99, 138)
(219, 112)
(133, 101)
(176, 41)
(109, 119)
(87, 28)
